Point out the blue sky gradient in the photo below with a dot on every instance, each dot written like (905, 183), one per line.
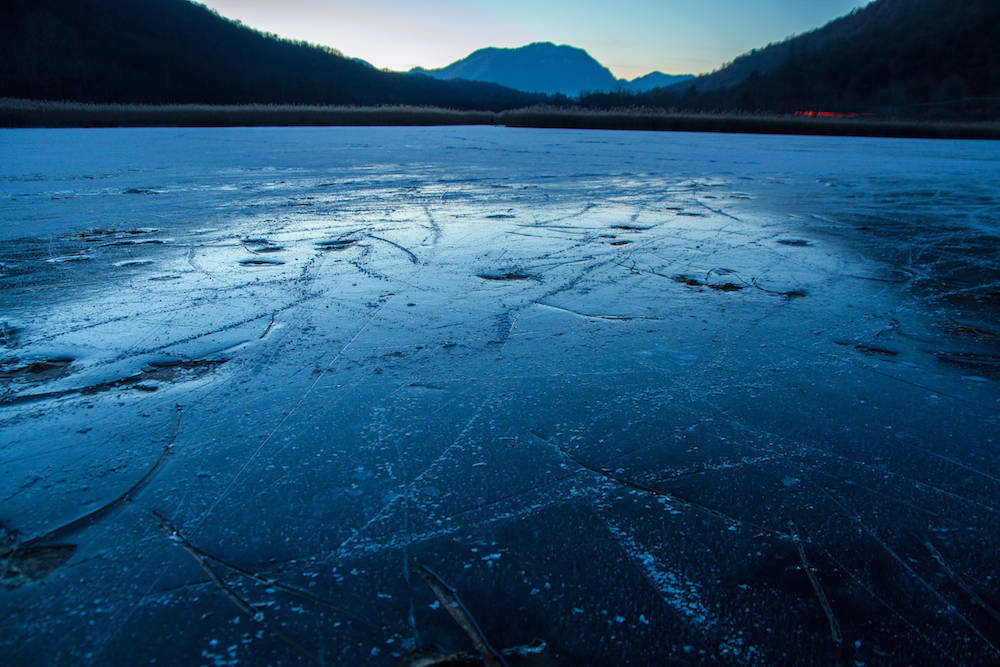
(631, 37)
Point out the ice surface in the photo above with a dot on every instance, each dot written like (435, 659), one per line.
(617, 390)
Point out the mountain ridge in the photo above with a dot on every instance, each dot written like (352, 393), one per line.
(929, 59)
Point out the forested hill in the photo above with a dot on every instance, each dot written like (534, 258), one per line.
(919, 58)
(174, 51)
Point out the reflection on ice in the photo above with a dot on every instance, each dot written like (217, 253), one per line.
(370, 396)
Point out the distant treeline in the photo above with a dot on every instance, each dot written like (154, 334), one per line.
(24, 113)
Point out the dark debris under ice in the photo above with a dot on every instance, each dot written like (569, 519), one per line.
(491, 396)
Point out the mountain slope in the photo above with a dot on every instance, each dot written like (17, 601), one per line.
(543, 67)
(905, 57)
(174, 51)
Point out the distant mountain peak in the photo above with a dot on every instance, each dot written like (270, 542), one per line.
(545, 67)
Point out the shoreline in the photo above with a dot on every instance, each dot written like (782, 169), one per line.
(24, 114)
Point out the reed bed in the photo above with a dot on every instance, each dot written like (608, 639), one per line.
(24, 113)
(662, 120)
(27, 113)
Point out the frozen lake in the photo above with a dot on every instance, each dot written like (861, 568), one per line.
(646, 398)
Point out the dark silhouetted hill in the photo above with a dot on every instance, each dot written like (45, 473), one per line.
(915, 58)
(175, 51)
(543, 67)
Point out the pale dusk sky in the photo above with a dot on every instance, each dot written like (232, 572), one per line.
(631, 37)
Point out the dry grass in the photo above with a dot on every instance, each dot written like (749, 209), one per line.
(26, 113)
(662, 120)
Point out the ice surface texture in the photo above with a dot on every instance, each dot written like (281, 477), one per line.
(649, 398)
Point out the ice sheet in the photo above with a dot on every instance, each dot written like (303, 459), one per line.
(649, 398)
